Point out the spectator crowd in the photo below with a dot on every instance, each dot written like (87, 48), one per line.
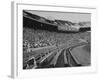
(41, 38)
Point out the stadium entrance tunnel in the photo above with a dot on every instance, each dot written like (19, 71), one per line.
(85, 29)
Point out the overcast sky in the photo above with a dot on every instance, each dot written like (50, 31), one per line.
(70, 16)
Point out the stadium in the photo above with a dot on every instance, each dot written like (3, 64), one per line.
(55, 43)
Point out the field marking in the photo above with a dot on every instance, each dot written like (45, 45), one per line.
(47, 56)
(56, 57)
(72, 53)
(65, 57)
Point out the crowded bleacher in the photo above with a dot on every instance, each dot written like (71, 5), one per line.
(39, 38)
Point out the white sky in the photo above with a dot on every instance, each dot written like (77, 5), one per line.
(70, 16)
